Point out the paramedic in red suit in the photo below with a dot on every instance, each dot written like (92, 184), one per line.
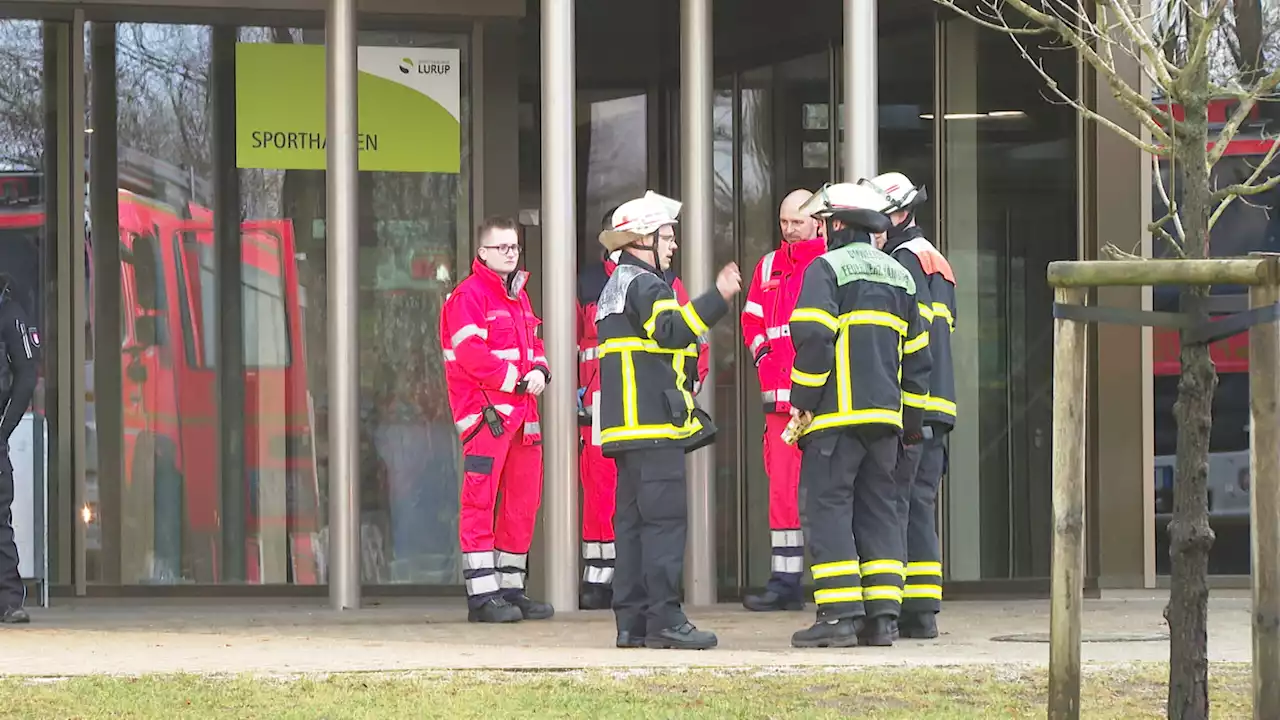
(771, 297)
(598, 475)
(496, 368)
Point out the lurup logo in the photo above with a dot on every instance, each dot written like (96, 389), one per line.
(407, 65)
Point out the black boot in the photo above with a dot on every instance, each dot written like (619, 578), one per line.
(877, 632)
(595, 597)
(15, 616)
(532, 609)
(631, 635)
(684, 637)
(495, 610)
(919, 626)
(771, 601)
(841, 633)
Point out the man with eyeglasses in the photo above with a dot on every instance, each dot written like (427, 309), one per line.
(496, 368)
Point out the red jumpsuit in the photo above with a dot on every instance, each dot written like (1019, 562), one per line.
(598, 475)
(772, 295)
(490, 339)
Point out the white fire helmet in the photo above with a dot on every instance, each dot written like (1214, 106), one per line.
(844, 197)
(898, 190)
(643, 216)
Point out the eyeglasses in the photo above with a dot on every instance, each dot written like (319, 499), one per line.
(511, 249)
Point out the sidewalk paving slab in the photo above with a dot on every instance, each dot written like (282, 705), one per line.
(305, 637)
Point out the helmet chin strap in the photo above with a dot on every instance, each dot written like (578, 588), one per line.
(845, 236)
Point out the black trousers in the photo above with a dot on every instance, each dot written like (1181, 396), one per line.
(918, 475)
(12, 592)
(848, 480)
(650, 525)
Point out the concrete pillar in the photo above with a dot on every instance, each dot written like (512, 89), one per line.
(1118, 186)
(342, 180)
(559, 255)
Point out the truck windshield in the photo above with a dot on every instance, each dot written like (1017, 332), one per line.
(266, 323)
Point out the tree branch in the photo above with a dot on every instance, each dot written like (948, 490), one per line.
(1160, 65)
(1080, 107)
(1175, 243)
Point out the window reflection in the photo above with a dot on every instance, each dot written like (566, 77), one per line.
(178, 513)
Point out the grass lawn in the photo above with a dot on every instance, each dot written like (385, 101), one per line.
(1134, 691)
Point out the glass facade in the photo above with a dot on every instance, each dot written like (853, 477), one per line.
(205, 374)
(215, 462)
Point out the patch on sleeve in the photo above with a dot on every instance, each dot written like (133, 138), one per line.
(34, 335)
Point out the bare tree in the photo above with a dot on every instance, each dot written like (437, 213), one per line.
(1191, 51)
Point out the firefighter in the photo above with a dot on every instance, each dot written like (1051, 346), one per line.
(496, 368)
(859, 381)
(920, 467)
(19, 346)
(771, 297)
(598, 474)
(647, 419)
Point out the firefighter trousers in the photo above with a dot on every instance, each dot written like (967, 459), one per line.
(599, 477)
(496, 538)
(918, 475)
(848, 479)
(12, 592)
(651, 524)
(782, 465)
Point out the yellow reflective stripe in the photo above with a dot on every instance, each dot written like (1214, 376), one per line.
(923, 592)
(941, 310)
(650, 432)
(809, 379)
(875, 317)
(677, 364)
(844, 383)
(916, 401)
(692, 320)
(833, 569)
(882, 592)
(659, 307)
(946, 407)
(924, 568)
(618, 345)
(917, 343)
(822, 317)
(874, 567)
(857, 417)
(837, 595)
(926, 312)
(630, 409)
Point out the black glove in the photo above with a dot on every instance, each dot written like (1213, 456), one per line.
(912, 425)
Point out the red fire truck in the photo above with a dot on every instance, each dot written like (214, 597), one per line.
(170, 490)
(1248, 225)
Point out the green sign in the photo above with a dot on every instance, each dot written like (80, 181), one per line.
(409, 107)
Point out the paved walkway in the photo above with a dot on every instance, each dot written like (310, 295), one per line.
(115, 636)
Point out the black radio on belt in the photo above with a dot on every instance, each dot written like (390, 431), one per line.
(493, 420)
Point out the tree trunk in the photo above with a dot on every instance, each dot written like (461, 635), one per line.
(1189, 533)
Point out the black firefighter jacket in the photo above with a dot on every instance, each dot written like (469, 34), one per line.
(936, 297)
(860, 342)
(648, 361)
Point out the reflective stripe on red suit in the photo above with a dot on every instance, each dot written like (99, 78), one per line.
(490, 338)
(598, 474)
(775, 287)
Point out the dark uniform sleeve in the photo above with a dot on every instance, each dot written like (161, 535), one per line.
(17, 335)
(917, 361)
(814, 326)
(653, 306)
